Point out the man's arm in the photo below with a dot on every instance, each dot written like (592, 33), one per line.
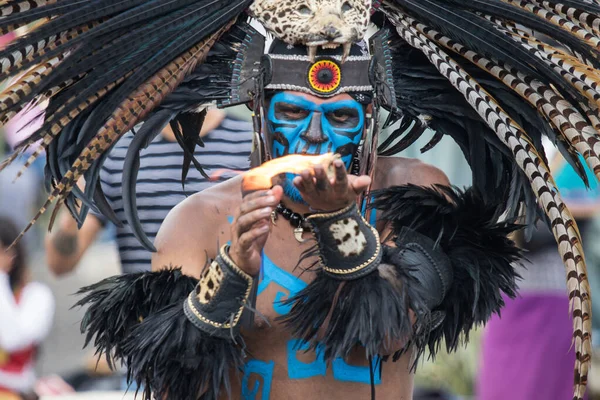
(180, 243)
(397, 171)
(65, 245)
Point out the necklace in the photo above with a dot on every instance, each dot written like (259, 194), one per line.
(297, 221)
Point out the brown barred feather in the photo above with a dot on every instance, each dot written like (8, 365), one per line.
(584, 19)
(562, 223)
(17, 90)
(507, 25)
(20, 7)
(133, 109)
(572, 64)
(593, 115)
(588, 37)
(17, 57)
(572, 70)
(579, 75)
(40, 99)
(23, 6)
(26, 83)
(57, 127)
(9, 160)
(526, 37)
(564, 118)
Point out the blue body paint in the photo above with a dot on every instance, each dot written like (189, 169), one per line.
(349, 373)
(257, 369)
(271, 273)
(300, 370)
(297, 369)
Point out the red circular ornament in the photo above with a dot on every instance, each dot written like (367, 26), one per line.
(324, 76)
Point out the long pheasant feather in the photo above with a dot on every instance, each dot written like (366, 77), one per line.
(561, 114)
(22, 6)
(54, 128)
(563, 225)
(25, 85)
(559, 21)
(22, 58)
(134, 108)
(576, 13)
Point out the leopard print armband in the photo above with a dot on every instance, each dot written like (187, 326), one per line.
(349, 247)
(216, 304)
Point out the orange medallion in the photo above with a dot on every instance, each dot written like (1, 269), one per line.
(324, 76)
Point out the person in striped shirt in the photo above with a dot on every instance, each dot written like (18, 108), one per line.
(159, 188)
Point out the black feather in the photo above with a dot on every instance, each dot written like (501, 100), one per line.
(117, 304)
(481, 36)
(467, 228)
(188, 155)
(371, 311)
(174, 360)
(423, 94)
(189, 137)
(150, 129)
(502, 10)
(104, 207)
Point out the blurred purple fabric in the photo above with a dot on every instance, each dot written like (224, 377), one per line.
(519, 365)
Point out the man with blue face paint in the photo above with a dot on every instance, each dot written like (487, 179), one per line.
(264, 245)
(328, 315)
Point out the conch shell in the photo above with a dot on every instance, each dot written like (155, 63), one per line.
(261, 178)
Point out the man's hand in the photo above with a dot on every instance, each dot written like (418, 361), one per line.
(330, 194)
(250, 228)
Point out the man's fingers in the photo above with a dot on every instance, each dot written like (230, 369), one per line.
(307, 184)
(360, 184)
(246, 221)
(250, 204)
(247, 239)
(322, 181)
(256, 194)
(341, 176)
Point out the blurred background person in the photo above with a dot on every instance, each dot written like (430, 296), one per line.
(227, 146)
(228, 142)
(27, 191)
(26, 314)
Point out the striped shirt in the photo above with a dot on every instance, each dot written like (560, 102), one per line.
(159, 189)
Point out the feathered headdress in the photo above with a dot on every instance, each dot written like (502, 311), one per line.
(495, 75)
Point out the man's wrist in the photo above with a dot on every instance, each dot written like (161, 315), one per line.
(216, 304)
(331, 210)
(349, 248)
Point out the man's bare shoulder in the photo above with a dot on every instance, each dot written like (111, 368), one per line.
(393, 171)
(211, 205)
(194, 228)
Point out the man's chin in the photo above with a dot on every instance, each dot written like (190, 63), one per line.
(291, 192)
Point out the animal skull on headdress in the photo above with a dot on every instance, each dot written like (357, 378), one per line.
(314, 23)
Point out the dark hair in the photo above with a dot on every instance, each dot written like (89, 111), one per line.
(8, 233)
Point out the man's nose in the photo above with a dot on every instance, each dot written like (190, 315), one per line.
(314, 133)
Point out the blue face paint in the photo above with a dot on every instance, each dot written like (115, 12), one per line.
(299, 126)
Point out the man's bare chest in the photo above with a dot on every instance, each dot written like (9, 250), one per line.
(280, 367)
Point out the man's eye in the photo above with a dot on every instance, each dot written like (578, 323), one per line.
(343, 115)
(291, 112)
